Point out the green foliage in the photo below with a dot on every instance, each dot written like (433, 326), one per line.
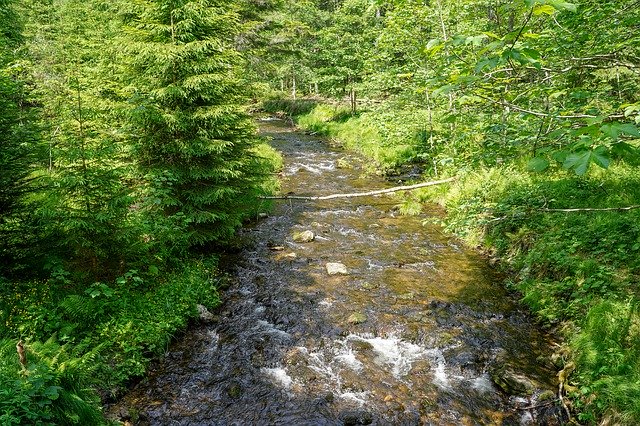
(192, 129)
(375, 134)
(576, 268)
(52, 390)
(19, 141)
(610, 362)
(110, 333)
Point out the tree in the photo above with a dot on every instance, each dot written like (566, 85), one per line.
(194, 141)
(19, 139)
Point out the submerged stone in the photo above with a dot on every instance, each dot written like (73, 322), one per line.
(356, 417)
(357, 318)
(304, 236)
(204, 314)
(511, 382)
(335, 268)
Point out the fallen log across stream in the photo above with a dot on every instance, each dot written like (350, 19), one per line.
(362, 194)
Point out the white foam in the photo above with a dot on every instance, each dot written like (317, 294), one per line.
(325, 303)
(347, 357)
(279, 375)
(526, 418)
(440, 378)
(482, 384)
(374, 266)
(358, 397)
(394, 352)
(316, 169)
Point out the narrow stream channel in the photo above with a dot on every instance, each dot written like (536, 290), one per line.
(418, 331)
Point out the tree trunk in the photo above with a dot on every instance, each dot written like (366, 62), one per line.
(293, 87)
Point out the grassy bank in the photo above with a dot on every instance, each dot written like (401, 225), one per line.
(577, 271)
(81, 346)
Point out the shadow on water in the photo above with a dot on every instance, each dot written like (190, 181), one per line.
(418, 331)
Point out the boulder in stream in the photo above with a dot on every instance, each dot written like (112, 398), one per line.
(335, 268)
(511, 382)
(204, 314)
(304, 236)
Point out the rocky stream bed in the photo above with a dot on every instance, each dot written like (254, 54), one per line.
(344, 312)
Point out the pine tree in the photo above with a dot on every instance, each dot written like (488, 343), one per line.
(194, 139)
(18, 139)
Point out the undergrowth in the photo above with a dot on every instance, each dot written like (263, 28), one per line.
(95, 341)
(577, 271)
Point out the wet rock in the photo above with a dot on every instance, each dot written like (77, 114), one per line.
(547, 395)
(356, 417)
(286, 256)
(304, 236)
(234, 390)
(357, 318)
(551, 415)
(406, 296)
(362, 345)
(336, 269)
(343, 163)
(511, 382)
(204, 314)
(369, 286)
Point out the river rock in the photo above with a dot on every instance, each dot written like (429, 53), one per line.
(335, 268)
(511, 382)
(356, 417)
(204, 314)
(304, 236)
(357, 318)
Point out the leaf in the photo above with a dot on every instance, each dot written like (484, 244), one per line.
(489, 63)
(601, 157)
(538, 164)
(629, 129)
(562, 5)
(560, 156)
(543, 8)
(52, 392)
(531, 3)
(432, 43)
(443, 90)
(532, 53)
(578, 161)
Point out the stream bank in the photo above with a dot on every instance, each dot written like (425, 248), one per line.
(372, 318)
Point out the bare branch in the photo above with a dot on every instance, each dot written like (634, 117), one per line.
(363, 194)
(608, 209)
(543, 114)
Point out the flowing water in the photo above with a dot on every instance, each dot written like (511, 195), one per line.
(418, 331)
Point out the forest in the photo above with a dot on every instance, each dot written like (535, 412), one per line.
(129, 158)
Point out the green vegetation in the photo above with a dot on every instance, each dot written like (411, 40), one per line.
(533, 106)
(128, 161)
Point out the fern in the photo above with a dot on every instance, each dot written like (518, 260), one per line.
(55, 388)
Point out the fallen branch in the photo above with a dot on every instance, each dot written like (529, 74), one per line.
(362, 194)
(608, 209)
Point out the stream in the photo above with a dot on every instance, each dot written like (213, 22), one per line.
(415, 330)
